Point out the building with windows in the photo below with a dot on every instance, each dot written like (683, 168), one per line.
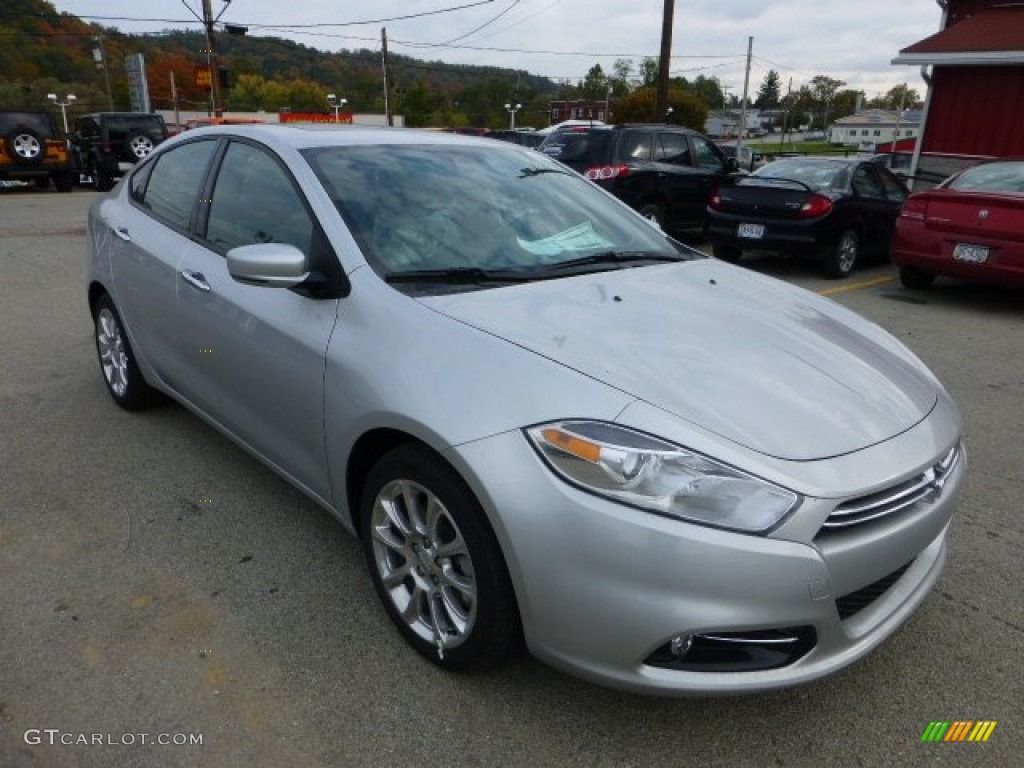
(870, 127)
(974, 68)
(578, 109)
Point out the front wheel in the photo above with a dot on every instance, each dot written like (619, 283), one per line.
(840, 259)
(435, 562)
(103, 181)
(915, 279)
(121, 373)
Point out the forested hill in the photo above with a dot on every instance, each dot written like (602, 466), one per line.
(43, 51)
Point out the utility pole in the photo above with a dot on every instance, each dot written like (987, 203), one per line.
(99, 54)
(785, 115)
(743, 106)
(384, 67)
(211, 58)
(664, 62)
(174, 101)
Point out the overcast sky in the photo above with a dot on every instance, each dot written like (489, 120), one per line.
(850, 40)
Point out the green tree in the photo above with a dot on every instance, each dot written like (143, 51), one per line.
(595, 84)
(709, 90)
(769, 94)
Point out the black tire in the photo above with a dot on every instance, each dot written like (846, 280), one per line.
(654, 212)
(840, 258)
(728, 253)
(64, 181)
(466, 581)
(103, 181)
(915, 279)
(26, 147)
(120, 372)
(138, 145)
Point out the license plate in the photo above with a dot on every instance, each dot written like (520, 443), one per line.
(972, 254)
(752, 231)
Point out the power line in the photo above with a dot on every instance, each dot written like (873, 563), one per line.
(485, 24)
(318, 25)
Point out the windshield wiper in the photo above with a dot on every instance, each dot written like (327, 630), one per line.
(527, 172)
(615, 257)
(459, 275)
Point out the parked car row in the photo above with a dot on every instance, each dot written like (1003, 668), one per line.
(102, 147)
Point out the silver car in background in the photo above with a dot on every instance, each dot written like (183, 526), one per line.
(546, 421)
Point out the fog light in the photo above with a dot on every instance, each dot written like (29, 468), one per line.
(680, 644)
(747, 651)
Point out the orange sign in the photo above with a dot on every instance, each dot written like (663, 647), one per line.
(316, 117)
(203, 79)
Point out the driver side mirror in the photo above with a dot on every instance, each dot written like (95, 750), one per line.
(271, 265)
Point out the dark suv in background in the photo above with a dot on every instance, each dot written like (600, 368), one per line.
(665, 172)
(33, 149)
(108, 144)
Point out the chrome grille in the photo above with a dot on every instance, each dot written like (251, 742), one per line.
(896, 498)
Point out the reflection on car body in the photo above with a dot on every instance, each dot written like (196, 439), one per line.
(545, 420)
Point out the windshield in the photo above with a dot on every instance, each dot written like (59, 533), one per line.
(821, 175)
(442, 207)
(992, 177)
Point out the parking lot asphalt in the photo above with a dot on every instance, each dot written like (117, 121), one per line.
(158, 584)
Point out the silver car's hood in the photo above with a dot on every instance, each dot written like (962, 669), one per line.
(760, 363)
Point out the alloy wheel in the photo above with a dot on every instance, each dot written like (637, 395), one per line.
(113, 358)
(424, 563)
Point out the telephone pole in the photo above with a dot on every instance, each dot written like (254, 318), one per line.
(384, 66)
(211, 58)
(664, 62)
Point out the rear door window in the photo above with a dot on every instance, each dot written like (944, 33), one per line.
(176, 181)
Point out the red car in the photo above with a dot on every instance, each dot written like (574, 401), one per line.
(971, 226)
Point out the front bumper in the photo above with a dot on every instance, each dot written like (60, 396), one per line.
(601, 586)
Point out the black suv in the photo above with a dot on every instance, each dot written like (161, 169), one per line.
(665, 172)
(33, 149)
(109, 143)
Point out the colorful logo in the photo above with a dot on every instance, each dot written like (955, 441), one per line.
(958, 730)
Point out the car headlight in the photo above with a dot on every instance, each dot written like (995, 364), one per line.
(645, 472)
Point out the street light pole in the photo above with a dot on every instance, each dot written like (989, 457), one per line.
(68, 101)
(512, 109)
(336, 103)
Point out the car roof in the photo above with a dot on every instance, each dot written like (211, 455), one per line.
(312, 135)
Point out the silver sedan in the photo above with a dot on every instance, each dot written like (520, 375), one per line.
(547, 422)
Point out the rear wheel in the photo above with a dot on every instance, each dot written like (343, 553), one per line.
(915, 279)
(653, 212)
(139, 144)
(728, 253)
(840, 259)
(25, 146)
(121, 373)
(64, 181)
(435, 562)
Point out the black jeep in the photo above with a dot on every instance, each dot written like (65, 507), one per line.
(108, 144)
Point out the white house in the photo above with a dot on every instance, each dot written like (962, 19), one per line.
(874, 126)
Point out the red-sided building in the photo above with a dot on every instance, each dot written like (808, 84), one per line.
(974, 67)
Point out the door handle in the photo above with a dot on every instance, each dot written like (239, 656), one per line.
(122, 233)
(195, 279)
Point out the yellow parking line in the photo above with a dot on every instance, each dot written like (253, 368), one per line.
(855, 286)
